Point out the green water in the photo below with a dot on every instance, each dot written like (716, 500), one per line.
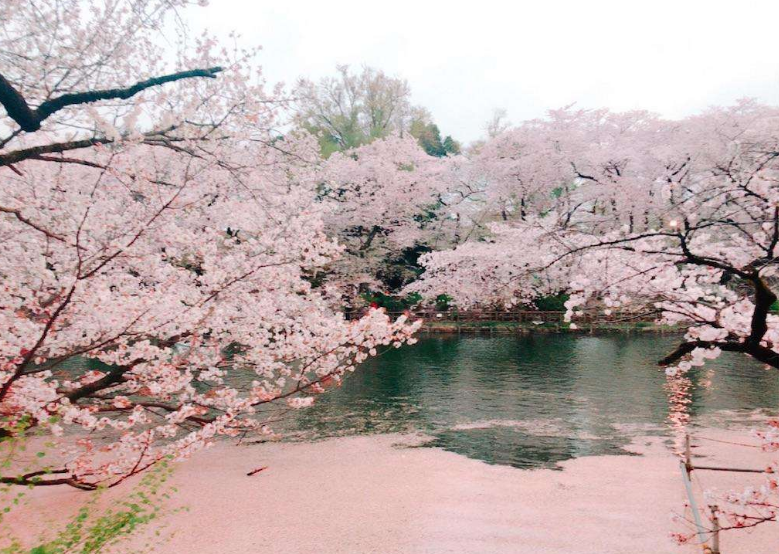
(534, 401)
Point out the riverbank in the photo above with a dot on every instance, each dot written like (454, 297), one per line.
(524, 322)
(433, 327)
(381, 494)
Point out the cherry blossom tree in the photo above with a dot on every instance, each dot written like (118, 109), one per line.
(158, 242)
(382, 198)
(673, 220)
(564, 174)
(706, 261)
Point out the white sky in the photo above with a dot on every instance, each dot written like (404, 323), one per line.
(463, 59)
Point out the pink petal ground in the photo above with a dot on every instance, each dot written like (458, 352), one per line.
(367, 495)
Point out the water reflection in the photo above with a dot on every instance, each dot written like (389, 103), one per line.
(679, 389)
(534, 401)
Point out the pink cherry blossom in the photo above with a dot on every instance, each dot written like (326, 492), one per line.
(167, 236)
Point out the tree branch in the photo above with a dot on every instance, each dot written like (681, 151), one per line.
(764, 299)
(36, 151)
(757, 351)
(18, 214)
(36, 479)
(687, 347)
(16, 106)
(30, 120)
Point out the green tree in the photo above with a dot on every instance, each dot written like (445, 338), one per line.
(428, 136)
(353, 109)
(451, 146)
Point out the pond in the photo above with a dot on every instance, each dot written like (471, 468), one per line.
(533, 401)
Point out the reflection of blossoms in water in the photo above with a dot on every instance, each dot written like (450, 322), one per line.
(749, 507)
(678, 389)
(706, 379)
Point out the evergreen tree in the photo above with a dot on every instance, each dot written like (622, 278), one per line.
(451, 146)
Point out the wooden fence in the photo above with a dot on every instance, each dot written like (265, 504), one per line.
(514, 316)
(708, 532)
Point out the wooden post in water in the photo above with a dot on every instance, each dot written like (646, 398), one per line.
(686, 467)
(687, 453)
(714, 531)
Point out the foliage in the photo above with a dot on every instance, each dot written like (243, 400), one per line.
(429, 138)
(451, 146)
(94, 528)
(551, 303)
(443, 302)
(353, 109)
(392, 303)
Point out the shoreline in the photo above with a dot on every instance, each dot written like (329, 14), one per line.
(377, 493)
(512, 328)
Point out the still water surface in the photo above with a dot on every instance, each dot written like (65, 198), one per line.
(536, 400)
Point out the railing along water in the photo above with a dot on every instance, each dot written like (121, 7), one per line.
(485, 318)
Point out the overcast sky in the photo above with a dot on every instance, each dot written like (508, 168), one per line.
(464, 59)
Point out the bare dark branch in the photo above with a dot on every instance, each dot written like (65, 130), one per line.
(30, 119)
